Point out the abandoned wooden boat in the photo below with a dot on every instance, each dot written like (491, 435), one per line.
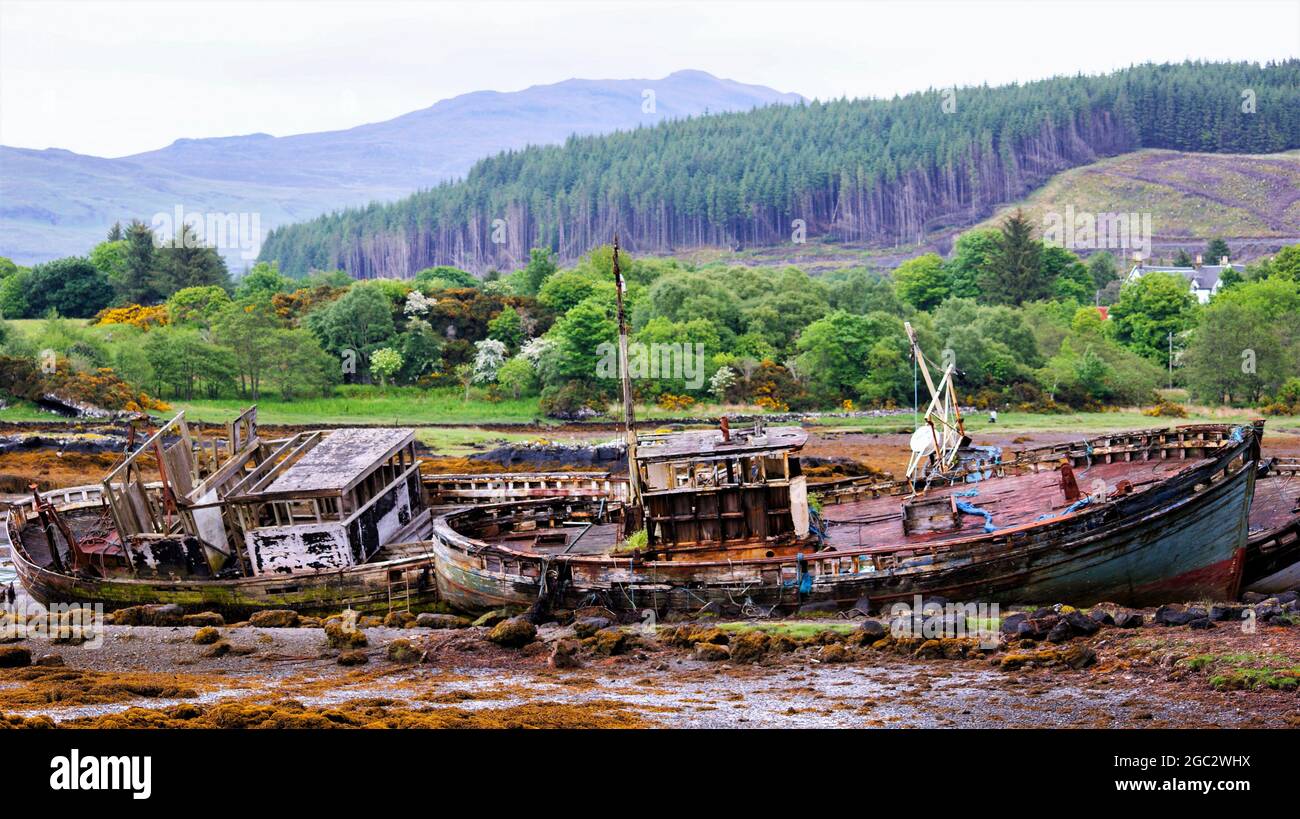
(317, 522)
(1273, 547)
(729, 526)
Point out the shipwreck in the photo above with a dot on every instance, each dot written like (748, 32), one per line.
(316, 522)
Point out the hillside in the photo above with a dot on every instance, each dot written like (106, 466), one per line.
(876, 172)
(1253, 201)
(57, 203)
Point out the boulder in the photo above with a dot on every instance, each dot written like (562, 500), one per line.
(1267, 611)
(1176, 615)
(339, 634)
(203, 618)
(1128, 619)
(712, 652)
(749, 646)
(404, 651)
(1040, 627)
(587, 626)
(610, 641)
(564, 654)
(838, 653)
(218, 649)
(168, 615)
(1078, 656)
(870, 632)
(398, 619)
(1224, 612)
(14, 657)
(1060, 632)
(513, 633)
(1081, 624)
(49, 661)
(353, 657)
(206, 636)
(1201, 623)
(442, 621)
(1102, 617)
(929, 650)
(274, 618)
(1011, 623)
(491, 618)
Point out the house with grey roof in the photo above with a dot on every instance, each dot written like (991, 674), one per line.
(1203, 280)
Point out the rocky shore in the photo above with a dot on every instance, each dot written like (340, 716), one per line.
(1189, 665)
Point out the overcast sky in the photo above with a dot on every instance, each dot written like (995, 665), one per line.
(110, 79)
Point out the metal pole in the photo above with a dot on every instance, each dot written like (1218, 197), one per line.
(629, 419)
(1171, 359)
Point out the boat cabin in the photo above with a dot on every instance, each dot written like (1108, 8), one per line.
(720, 489)
(330, 500)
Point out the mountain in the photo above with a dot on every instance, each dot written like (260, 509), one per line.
(57, 203)
(873, 172)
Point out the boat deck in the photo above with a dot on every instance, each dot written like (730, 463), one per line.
(875, 523)
(1016, 500)
(1277, 501)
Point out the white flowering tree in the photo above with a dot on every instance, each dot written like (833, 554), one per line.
(489, 355)
(418, 304)
(722, 381)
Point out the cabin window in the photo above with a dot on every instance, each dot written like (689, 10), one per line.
(846, 565)
(774, 468)
(492, 564)
(789, 573)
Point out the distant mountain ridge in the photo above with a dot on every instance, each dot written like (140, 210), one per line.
(57, 203)
(871, 172)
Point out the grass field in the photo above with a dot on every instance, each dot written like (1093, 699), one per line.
(31, 327)
(401, 406)
(25, 411)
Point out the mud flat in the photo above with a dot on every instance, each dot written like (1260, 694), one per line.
(808, 674)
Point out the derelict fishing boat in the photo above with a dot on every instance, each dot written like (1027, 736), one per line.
(317, 522)
(1273, 546)
(728, 524)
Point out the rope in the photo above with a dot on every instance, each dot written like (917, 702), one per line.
(972, 509)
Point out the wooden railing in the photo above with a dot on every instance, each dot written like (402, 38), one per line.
(475, 490)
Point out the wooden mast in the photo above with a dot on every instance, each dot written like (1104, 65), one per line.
(629, 418)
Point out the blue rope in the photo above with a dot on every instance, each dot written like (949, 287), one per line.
(1074, 507)
(972, 509)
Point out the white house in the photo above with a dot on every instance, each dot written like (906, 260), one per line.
(1203, 280)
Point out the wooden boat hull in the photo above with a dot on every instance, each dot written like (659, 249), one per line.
(373, 587)
(1181, 540)
(1273, 548)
